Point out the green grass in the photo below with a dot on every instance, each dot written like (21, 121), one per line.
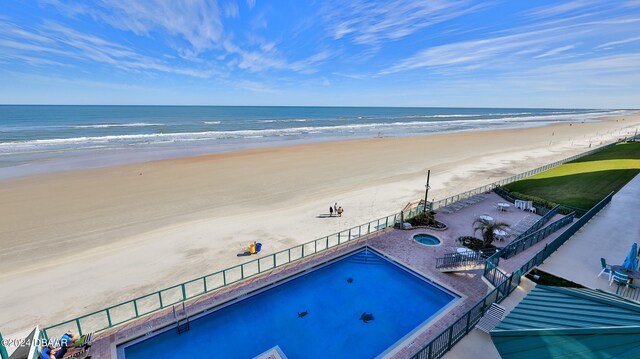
(584, 182)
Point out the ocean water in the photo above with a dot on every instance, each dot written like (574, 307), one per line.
(398, 300)
(47, 138)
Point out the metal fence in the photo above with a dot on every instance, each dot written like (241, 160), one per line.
(3, 350)
(539, 223)
(629, 291)
(461, 327)
(450, 260)
(504, 285)
(489, 187)
(134, 308)
(529, 240)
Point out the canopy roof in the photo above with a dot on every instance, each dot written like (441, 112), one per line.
(558, 322)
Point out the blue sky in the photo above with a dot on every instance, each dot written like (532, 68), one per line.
(344, 53)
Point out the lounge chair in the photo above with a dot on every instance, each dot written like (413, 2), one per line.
(491, 318)
(620, 278)
(606, 269)
(79, 347)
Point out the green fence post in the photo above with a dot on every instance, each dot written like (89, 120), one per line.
(3, 350)
(135, 308)
(160, 299)
(468, 321)
(184, 292)
(274, 261)
(79, 327)
(109, 318)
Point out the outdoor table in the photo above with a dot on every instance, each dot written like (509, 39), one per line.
(633, 274)
(503, 206)
(500, 234)
(486, 218)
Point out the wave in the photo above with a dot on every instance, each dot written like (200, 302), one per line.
(476, 115)
(285, 120)
(109, 125)
(212, 122)
(129, 139)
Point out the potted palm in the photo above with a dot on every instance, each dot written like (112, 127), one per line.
(486, 228)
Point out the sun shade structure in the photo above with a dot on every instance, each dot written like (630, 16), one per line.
(558, 322)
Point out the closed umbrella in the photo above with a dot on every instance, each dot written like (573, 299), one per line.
(631, 262)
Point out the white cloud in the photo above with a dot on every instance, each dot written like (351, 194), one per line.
(231, 9)
(70, 46)
(251, 3)
(555, 51)
(563, 8)
(515, 47)
(620, 42)
(196, 21)
(370, 23)
(466, 53)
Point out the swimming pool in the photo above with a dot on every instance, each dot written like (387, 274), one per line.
(427, 239)
(315, 315)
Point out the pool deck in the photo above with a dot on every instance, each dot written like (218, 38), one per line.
(396, 244)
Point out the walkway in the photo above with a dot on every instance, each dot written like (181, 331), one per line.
(609, 234)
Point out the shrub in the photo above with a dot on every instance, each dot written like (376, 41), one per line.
(472, 242)
(426, 220)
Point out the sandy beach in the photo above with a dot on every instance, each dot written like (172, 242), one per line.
(75, 242)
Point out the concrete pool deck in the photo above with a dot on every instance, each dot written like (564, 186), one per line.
(396, 244)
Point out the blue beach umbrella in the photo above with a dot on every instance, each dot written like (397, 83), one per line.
(631, 262)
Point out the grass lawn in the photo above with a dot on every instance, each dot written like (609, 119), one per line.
(585, 181)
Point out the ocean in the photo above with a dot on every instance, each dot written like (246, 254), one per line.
(36, 139)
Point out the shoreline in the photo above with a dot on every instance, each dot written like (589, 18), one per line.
(83, 159)
(188, 216)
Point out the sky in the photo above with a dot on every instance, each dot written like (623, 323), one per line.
(448, 53)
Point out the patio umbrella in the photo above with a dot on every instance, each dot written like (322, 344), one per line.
(631, 262)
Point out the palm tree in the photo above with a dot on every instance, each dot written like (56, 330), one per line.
(486, 228)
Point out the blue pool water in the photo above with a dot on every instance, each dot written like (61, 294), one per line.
(426, 239)
(398, 300)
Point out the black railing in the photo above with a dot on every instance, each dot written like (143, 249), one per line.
(529, 240)
(458, 260)
(540, 223)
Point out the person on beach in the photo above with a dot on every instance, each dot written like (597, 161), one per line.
(335, 207)
(339, 211)
(330, 211)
